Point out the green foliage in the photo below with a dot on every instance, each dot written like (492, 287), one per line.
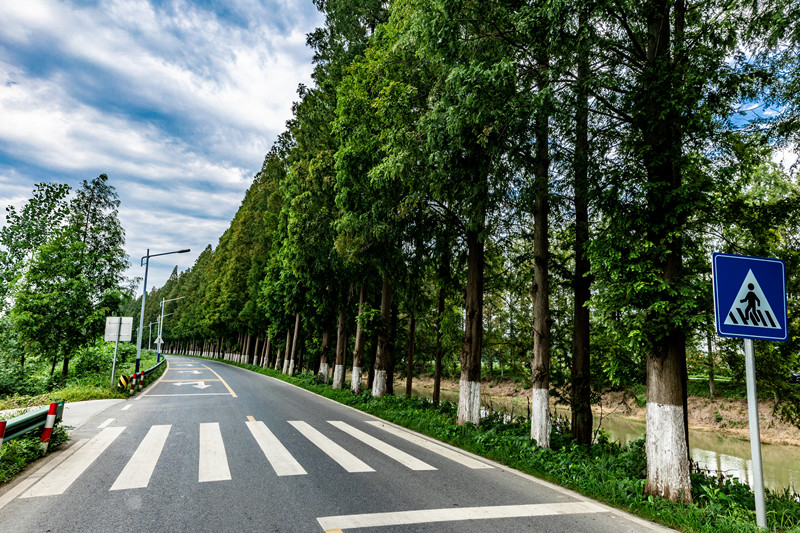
(18, 453)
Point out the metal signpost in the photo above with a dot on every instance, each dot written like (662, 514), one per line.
(750, 303)
(117, 329)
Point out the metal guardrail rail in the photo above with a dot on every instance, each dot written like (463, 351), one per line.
(154, 367)
(16, 427)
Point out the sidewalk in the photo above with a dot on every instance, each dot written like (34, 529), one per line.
(76, 414)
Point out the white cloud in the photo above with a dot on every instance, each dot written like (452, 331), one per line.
(176, 104)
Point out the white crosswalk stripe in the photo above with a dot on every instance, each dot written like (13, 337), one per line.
(387, 449)
(278, 456)
(347, 460)
(213, 459)
(449, 453)
(137, 472)
(65, 474)
(213, 464)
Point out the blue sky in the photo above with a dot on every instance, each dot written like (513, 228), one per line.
(177, 101)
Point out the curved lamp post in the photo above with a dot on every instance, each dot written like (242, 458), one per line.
(145, 262)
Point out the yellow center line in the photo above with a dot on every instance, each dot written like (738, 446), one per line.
(223, 382)
(251, 419)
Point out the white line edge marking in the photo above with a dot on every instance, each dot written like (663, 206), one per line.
(346, 460)
(127, 407)
(276, 453)
(213, 462)
(67, 472)
(107, 423)
(140, 467)
(390, 451)
(450, 514)
(453, 455)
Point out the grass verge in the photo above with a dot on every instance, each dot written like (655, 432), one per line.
(94, 387)
(605, 471)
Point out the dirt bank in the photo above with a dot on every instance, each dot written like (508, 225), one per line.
(721, 415)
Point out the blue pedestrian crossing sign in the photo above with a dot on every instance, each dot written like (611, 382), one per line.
(750, 297)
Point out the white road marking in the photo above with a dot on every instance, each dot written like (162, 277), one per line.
(127, 407)
(398, 455)
(278, 456)
(67, 472)
(213, 461)
(347, 460)
(373, 520)
(37, 475)
(106, 423)
(444, 451)
(140, 467)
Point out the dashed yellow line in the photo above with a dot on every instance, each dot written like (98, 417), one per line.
(251, 419)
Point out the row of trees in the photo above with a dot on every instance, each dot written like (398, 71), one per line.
(61, 271)
(537, 185)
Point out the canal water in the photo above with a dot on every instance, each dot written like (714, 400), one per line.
(712, 452)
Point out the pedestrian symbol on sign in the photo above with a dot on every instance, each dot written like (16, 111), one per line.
(751, 307)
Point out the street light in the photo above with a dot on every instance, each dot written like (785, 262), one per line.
(145, 262)
(159, 340)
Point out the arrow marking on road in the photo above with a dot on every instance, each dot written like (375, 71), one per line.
(197, 384)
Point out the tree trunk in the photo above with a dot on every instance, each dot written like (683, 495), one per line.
(469, 386)
(341, 348)
(265, 360)
(581, 369)
(358, 351)
(382, 355)
(659, 122)
(540, 357)
(444, 278)
(295, 345)
(324, 367)
(412, 337)
(288, 351)
(64, 370)
(390, 360)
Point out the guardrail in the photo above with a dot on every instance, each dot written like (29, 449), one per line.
(16, 427)
(136, 381)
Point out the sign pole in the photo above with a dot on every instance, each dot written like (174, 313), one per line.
(116, 345)
(755, 433)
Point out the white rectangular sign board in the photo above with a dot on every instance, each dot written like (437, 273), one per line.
(112, 326)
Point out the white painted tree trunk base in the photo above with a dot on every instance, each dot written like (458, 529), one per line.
(540, 417)
(323, 371)
(667, 453)
(285, 366)
(291, 367)
(355, 380)
(338, 376)
(469, 402)
(379, 383)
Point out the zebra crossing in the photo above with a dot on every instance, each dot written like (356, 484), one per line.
(212, 460)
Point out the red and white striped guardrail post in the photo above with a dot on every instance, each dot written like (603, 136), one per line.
(2, 432)
(50, 421)
(141, 379)
(133, 383)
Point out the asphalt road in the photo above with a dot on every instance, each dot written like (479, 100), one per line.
(216, 448)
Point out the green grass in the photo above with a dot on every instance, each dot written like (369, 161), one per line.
(605, 471)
